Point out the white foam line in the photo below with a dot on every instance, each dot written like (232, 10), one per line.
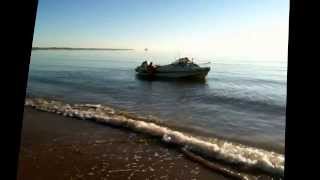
(269, 162)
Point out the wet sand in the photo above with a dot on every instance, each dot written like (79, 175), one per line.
(57, 147)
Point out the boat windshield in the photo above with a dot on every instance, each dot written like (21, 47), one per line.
(182, 61)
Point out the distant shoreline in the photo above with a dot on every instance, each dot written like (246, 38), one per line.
(69, 48)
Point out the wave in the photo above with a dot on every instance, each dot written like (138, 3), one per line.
(250, 103)
(231, 153)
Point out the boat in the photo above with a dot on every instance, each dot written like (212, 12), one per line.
(181, 68)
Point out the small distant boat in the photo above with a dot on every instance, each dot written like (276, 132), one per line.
(181, 68)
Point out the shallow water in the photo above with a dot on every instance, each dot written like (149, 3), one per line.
(241, 99)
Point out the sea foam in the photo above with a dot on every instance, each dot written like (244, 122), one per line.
(235, 154)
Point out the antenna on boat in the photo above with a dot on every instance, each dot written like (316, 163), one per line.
(146, 50)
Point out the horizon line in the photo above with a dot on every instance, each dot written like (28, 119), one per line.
(76, 48)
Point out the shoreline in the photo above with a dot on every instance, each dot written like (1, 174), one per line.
(57, 147)
(238, 156)
(191, 131)
(100, 115)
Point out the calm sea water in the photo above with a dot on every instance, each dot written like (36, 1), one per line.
(241, 99)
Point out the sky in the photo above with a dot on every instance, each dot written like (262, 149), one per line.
(256, 29)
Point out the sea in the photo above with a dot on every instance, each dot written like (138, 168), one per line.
(240, 100)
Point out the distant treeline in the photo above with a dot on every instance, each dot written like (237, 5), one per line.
(69, 48)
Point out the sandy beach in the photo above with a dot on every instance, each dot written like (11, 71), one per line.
(57, 147)
(126, 90)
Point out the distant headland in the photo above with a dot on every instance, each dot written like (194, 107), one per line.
(70, 48)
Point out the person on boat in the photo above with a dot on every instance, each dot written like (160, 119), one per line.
(151, 68)
(144, 64)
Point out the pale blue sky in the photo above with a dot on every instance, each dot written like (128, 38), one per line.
(230, 28)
